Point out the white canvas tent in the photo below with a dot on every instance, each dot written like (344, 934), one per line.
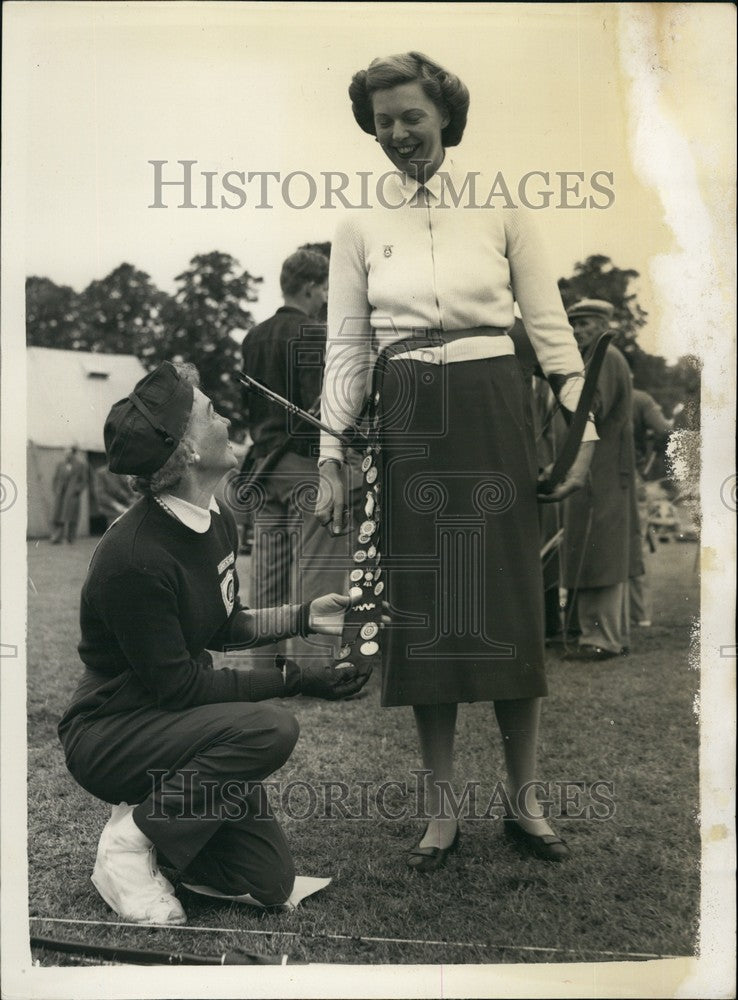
(69, 395)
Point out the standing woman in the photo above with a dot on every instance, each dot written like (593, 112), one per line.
(433, 279)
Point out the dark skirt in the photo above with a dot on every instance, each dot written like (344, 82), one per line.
(459, 533)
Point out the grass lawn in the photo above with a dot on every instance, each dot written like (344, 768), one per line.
(631, 888)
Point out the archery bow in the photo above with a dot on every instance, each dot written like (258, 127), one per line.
(578, 422)
(351, 437)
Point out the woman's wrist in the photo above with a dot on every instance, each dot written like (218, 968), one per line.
(303, 620)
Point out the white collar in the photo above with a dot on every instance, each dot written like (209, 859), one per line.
(189, 513)
(434, 185)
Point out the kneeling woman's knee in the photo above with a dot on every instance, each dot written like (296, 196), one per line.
(284, 734)
(275, 886)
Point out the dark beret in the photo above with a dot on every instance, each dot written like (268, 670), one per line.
(143, 429)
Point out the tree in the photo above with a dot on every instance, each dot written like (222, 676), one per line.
(52, 317)
(123, 314)
(210, 303)
(685, 380)
(598, 278)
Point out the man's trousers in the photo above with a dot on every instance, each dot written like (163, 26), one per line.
(604, 617)
(295, 558)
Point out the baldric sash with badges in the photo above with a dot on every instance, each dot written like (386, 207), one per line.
(361, 626)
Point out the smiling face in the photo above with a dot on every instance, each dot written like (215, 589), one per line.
(408, 126)
(208, 432)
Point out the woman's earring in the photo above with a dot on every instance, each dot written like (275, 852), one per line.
(195, 457)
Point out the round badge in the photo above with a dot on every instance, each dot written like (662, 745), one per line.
(363, 539)
(366, 463)
(355, 593)
(359, 556)
(368, 527)
(377, 572)
(371, 551)
(368, 576)
(371, 474)
(369, 630)
(369, 648)
(356, 575)
(343, 666)
(369, 505)
(379, 588)
(343, 652)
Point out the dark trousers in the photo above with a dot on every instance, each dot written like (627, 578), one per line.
(196, 775)
(294, 558)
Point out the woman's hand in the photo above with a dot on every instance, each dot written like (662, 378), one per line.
(330, 508)
(327, 613)
(575, 478)
(332, 683)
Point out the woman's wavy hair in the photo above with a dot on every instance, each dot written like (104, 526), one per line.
(183, 455)
(443, 88)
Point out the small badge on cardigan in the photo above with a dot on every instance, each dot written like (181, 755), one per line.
(388, 249)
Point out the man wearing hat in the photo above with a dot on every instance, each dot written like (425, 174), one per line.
(151, 722)
(598, 518)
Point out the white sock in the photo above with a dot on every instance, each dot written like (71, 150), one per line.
(129, 835)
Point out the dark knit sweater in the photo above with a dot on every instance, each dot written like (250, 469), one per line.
(157, 596)
(286, 353)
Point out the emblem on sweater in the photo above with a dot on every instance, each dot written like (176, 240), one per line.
(226, 562)
(227, 590)
(387, 249)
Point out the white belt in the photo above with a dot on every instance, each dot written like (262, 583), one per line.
(464, 349)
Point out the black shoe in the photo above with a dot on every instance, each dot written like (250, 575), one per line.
(590, 653)
(430, 859)
(546, 847)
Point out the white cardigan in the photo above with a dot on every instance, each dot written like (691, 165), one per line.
(430, 264)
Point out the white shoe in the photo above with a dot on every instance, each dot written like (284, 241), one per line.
(127, 877)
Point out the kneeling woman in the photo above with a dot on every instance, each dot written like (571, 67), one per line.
(152, 723)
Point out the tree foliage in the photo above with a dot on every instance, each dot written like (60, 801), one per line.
(52, 315)
(125, 313)
(211, 302)
(599, 278)
(122, 314)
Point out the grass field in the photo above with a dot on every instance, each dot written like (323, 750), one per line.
(631, 888)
